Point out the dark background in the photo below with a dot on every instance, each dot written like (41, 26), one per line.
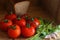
(50, 6)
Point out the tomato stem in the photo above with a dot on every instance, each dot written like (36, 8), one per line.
(32, 19)
(26, 17)
(13, 27)
(28, 25)
(10, 12)
(18, 18)
(5, 20)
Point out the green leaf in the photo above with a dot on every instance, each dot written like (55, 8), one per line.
(41, 21)
(42, 34)
(35, 37)
(57, 28)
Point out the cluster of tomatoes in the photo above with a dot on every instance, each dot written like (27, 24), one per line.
(16, 26)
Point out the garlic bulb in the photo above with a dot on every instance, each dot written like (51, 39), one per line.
(55, 35)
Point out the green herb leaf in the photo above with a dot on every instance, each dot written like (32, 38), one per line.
(35, 37)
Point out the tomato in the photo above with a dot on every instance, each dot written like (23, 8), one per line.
(5, 24)
(35, 22)
(28, 31)
(20, 21)
(14, 31)
(24, 16)
(10, 16)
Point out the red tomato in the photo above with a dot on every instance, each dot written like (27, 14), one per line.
(28, 31)
(35, 22)
(5, 24)
(14, 31)
(26, 17)
(20, 21)
(10, 16)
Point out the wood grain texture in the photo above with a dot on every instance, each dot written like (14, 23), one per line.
(51, 6)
